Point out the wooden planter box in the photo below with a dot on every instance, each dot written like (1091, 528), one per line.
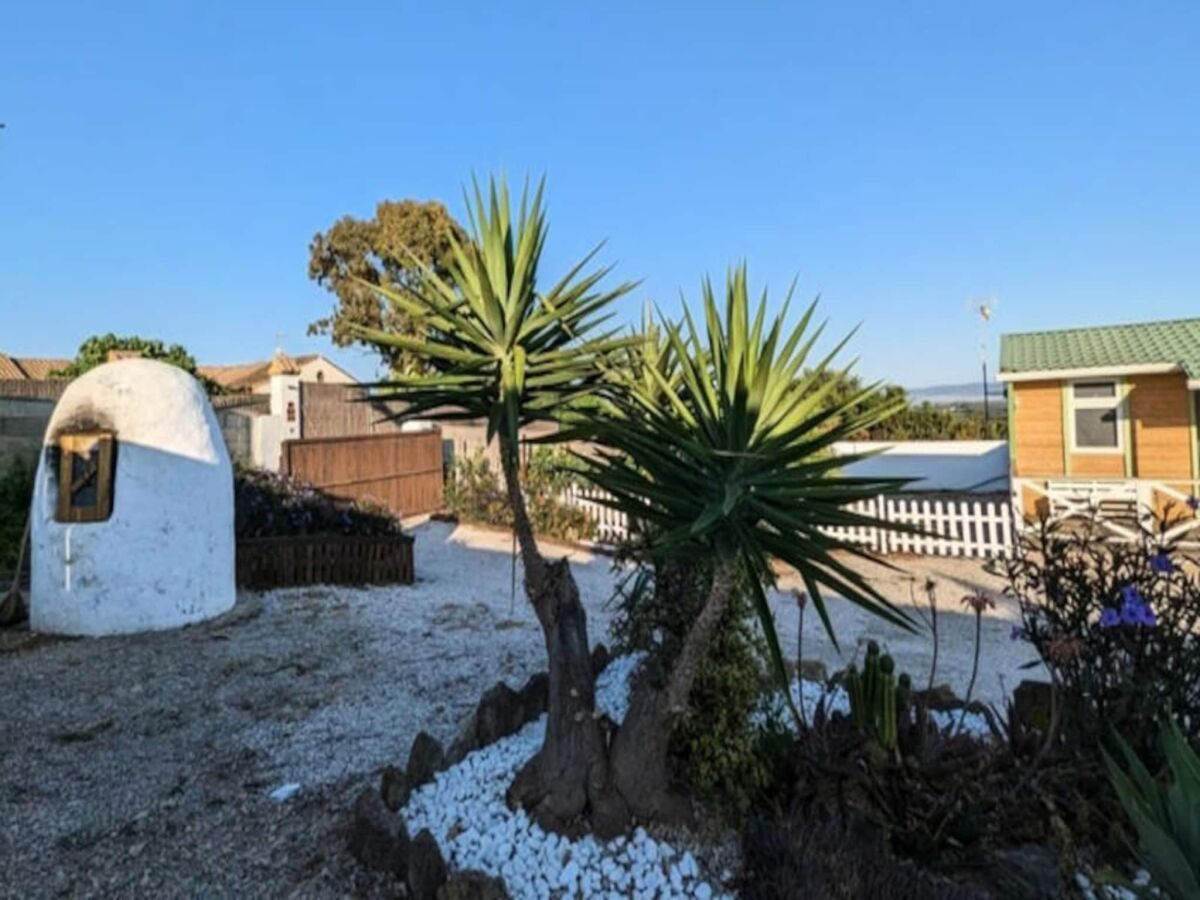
(272, 562)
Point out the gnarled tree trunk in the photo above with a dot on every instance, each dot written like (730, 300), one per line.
(640, 759)
(577, 779)
(566, 785)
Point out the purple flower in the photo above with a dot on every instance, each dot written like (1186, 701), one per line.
(1134, 609)
(1160, 562)
(1193, 503)
(1109, 618)
(1018, 633)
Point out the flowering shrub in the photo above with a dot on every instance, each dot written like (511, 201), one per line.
(475, 493)
(271, 505)
(1116, 625)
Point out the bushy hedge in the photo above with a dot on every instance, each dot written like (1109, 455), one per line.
(271, 505)
(475, 493)
(16, 493)
(265, 505)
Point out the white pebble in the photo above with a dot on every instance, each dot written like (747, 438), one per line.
(511, 846)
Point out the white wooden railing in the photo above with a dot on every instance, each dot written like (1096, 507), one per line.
(952, 527)
(1120, 506)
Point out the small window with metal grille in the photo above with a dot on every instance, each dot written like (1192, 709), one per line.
(85, 467)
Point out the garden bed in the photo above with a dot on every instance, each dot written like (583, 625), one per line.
(300, 560)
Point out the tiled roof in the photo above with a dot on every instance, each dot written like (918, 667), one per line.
(232, 377)
(30, 368)
(240, 375)
(9, 370)
(1172, 343)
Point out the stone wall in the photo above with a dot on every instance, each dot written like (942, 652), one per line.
(26, 407)
(22, 424)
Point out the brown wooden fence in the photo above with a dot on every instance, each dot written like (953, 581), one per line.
(271, 562)
(341, 410)
(400, 471)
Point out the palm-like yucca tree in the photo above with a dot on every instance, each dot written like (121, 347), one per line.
(723, 453)
(501, 348)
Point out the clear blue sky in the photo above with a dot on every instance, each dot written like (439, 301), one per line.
(165, 164)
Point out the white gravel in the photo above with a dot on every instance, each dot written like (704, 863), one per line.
(319, 688)
(464, 808)
(1093, 891)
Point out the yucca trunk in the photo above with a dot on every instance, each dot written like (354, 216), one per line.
(566, 786)
(640, 760)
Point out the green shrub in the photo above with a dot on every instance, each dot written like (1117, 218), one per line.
(474, 493)
(716, 749)
(16, 493)
(1166, 818)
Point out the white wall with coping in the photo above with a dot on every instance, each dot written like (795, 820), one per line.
(166, 555)
(973, 466)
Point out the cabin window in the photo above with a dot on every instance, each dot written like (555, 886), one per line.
(1096, 416)
(85, 477)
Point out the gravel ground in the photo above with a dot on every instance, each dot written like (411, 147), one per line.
(142, 766)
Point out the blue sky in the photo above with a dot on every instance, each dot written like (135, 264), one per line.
(164, 165)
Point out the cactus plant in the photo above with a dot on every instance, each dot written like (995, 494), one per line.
(878, 698)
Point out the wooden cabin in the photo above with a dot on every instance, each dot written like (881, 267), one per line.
(1105, 419)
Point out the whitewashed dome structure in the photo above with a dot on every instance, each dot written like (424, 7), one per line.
(132, 522)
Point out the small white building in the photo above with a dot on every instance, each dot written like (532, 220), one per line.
(132, 520)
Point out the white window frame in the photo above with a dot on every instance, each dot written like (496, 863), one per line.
(1116, 403)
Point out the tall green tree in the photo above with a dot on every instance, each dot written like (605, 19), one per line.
(387, 251)
(718, 452)
(494, 343)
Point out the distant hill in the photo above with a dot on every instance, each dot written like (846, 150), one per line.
(954, 394)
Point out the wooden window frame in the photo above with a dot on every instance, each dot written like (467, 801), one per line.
(1116, 403)
(71, 446)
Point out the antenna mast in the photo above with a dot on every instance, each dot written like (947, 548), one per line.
(984, 309)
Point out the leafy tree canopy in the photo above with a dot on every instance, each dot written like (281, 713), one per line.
(388, 251)
(96, 349)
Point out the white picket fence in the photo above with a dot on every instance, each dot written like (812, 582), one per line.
(974, 528)
(946, 527)
(611, 524)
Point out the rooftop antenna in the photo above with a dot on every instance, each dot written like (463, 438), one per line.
(985, 309)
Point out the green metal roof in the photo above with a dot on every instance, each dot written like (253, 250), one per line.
(1175, 342)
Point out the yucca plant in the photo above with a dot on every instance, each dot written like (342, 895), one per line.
(723, 453)
(1165, 816)
(500, 347)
